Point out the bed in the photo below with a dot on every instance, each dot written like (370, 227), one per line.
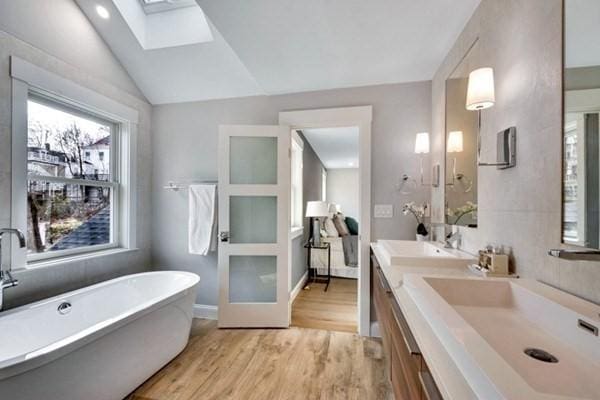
(338, 261)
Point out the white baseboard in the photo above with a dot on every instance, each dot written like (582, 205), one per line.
(205, 312)
(299, 287)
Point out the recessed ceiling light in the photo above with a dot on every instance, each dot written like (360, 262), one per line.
(102, 12)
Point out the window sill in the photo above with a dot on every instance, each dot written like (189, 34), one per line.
(296, 232)
(75, 258)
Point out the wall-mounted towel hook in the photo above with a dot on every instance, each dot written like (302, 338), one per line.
(407, 184)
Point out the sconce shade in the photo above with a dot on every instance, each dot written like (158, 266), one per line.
(480, 91)
(455, 142)
(317, 209)
(422, 143)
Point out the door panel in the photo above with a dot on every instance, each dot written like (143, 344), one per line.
(254, 187)
(253, 219)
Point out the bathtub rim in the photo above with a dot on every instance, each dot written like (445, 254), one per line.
(46, 354)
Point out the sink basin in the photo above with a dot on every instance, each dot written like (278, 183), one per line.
(422, 254)
(513, 339)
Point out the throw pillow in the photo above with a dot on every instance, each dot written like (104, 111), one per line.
(340, 225)
(352, 225)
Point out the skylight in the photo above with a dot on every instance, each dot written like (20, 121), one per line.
(158, 24)
(156, 6)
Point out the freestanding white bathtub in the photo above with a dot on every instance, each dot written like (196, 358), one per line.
(96, 343)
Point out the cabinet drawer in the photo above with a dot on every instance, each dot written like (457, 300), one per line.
(429, 388)
(408, 364)
(409, 375)
(407, 337)
(402, 391)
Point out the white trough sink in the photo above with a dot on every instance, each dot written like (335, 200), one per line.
(486, 325)
(422, 254)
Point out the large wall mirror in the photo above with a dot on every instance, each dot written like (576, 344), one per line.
(581, 144)
(461, 146)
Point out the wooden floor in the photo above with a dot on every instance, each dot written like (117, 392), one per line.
(271, 364)
(335, 309)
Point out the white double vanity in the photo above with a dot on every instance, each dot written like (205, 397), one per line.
(450, 334)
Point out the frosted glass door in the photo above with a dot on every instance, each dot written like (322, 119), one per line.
(253, 160)
(253, 223)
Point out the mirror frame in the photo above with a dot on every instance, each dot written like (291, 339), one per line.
(445, 171)
(563, 63)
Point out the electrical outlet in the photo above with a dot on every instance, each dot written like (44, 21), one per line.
(384, 211)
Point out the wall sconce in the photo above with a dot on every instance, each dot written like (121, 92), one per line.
(481, 95)
(422, 147)
(454, 145)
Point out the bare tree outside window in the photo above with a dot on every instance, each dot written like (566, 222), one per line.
(62, 147)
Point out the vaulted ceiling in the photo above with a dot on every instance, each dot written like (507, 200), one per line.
(286, 46)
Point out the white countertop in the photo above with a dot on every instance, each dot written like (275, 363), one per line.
(476, 367)
(450, 381)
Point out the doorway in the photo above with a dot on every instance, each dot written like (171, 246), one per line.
(324, 202)
(345, 304)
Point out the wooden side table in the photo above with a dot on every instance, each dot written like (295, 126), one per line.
(316, 278)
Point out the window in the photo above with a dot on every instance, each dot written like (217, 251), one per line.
(323, 184)
(297, 186)
(71, 195)
(156, 6)
(66, 202)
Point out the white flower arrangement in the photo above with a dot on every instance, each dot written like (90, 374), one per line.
(419, 213)
(459, 212)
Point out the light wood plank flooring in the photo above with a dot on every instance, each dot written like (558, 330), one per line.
(335, 309)
(271, 364)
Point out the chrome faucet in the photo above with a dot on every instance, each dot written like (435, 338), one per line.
(6, 278)
(450, 239)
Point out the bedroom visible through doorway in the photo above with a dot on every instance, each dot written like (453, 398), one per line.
(325, 212)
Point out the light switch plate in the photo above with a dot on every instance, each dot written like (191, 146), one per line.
(384, 211)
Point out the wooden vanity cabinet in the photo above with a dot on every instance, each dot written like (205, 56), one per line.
(409, 375)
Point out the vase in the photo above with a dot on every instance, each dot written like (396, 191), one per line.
(422, 238)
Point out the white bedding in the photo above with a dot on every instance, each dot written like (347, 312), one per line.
(318, 259)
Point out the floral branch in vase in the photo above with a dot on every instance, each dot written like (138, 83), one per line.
(459, 212)
(419, 213)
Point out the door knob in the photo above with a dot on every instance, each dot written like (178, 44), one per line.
(224, 236)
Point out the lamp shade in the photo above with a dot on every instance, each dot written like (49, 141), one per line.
(317, 209)
(334, 208)
(455, 142)
(480, 91)
(422, 143)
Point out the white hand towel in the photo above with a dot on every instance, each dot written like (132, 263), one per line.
(202, 219)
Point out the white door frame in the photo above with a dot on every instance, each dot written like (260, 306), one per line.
(344, 117)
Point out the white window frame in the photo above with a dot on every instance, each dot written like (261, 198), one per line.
(323, 184)
(297, 185)
(29, 79)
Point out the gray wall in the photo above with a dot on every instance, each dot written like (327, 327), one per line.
(519, 207)
(311, 191)
(342, 189)
(582, 78)
(185, 147)
(60, 29)
(57, 37)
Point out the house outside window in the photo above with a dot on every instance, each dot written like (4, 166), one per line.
(71, 187)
